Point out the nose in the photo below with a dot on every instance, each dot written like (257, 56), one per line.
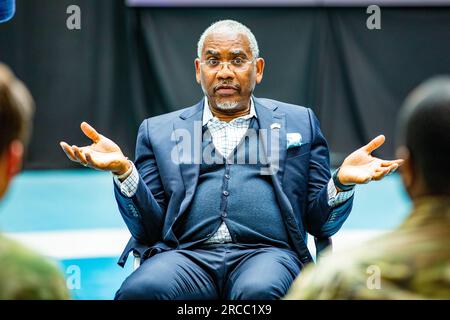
(225, 72)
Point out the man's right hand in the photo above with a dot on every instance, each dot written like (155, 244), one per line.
(102, 154)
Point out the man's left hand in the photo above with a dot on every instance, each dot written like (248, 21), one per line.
(361, 167)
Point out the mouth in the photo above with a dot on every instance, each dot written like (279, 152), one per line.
(226, 90)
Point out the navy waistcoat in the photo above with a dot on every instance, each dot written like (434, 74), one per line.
(234, 191)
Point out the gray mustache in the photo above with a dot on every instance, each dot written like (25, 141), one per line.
(224, 85)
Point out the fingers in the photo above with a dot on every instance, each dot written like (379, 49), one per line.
(381, 172)
(392, 165)
(68, 151)
(392, 168)
(387, 163)
(90, 132)
(74, 153)
(80, 155)
(89, 160)
(374, 144)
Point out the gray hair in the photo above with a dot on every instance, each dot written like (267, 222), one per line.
(232, 26)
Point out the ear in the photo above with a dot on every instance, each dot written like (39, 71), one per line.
(197, 70)
(407, 168)
(260, 63)
(14, 157)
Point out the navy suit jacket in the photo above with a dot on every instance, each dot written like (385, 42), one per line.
(166, 187)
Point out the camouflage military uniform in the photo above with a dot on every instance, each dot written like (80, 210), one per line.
(25, 275)
(413, 262)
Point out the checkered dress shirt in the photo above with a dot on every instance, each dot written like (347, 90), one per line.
(226, 136)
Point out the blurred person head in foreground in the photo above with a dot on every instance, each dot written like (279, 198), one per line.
(413, 261)
(23, 273)
(16, 110)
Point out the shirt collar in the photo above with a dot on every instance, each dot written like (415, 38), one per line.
(207, 114)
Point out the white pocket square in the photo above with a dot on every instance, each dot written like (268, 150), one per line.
(293, 140)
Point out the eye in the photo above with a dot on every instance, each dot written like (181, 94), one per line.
(213, 62)
(237, 61)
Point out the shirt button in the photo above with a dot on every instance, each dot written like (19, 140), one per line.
(224, 214)
(226, 193)
(227, 176)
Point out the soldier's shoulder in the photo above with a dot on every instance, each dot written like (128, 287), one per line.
(401, 256)
(26, 274)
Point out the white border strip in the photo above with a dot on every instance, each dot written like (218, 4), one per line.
(97, 243)
(73, 244)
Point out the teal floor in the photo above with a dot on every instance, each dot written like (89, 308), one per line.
(41, 201)
(100, 277)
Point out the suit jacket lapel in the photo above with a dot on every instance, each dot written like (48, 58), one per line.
(188, 138)
(273, 136)
(268, 115)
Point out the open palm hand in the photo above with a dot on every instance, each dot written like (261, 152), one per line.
(102, 154)
(361, 167)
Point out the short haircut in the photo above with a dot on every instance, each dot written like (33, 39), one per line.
(424, 128)
(16, 109)
(232, 26)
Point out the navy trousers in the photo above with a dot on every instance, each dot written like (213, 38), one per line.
(219, 271)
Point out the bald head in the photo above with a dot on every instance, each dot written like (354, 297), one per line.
(227, 27)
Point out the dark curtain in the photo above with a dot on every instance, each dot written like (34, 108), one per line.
(74, 76)
(126, 64)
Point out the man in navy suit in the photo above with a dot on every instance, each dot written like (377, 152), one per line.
(221, 194)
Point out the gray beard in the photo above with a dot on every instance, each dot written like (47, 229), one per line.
(227, 106)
